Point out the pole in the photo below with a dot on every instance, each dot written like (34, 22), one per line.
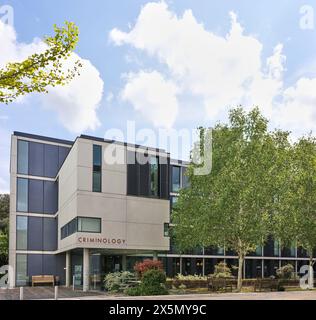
(56, 292)
(21, 293)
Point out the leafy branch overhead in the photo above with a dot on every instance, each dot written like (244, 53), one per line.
(41, 70)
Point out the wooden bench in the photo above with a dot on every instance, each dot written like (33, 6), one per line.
(271, 284)
(216, 284)
(43, 279)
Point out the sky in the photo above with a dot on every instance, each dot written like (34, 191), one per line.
(164, 66)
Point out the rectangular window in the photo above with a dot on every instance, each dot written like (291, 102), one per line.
(22, 195)
(276, 248)
(154, 177)
(89, 224)
(23, 157)
(259, 251)
(97, 168)
(21, 233)
(21, 270)
(174, 201)
(166, 230)
(176, 174)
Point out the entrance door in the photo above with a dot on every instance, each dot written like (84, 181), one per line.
(112, 264)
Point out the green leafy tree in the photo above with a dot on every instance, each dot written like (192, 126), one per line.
(4, 228)
(295, 221)
(41, 70)
(4, 212)
(232, 206)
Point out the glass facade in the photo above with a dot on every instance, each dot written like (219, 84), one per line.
(21, 232)
(23, 157)
(166, 229)
(21, 270)
(97, 169)
(154, 177)
(81, 224)
(176, 178)
(22, 195)
(89, 224)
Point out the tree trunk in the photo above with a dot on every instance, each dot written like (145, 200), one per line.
(241, 259)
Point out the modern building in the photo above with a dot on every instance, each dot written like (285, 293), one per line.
(80, 209)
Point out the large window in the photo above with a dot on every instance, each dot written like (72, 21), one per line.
(22, 195)
(81, 224)
(21, 233)
(176, 173)
(23, 157)
(97, 168)
(154, 177)
(89, 224)
(21, 270)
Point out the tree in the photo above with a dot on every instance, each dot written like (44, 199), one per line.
(41, 70)
(4, 248)
(232, 205)
(4, 212)
(295, 220)
(4, 228)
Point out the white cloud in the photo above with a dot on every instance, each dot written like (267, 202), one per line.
(77, 102)
(152, 95)
(221, 71)
(4, 160)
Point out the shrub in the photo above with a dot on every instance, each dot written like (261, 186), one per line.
(222, 271)
(147, 264)
(285, 272)
(153, 283)
(117, 281)
(190, 277)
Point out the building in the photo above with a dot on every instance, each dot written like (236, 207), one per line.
(80, 209)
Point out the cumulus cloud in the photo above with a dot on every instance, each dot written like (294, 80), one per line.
(152, 95)
(221, 71)
(76, 103)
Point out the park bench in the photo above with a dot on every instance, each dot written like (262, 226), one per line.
(266, 283)
(44, 279)
(216, 284)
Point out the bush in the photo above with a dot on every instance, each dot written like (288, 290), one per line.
(222, 271)
(285, 272)
(117, 281)
(189, 277)
(146, 265)
(153, 283)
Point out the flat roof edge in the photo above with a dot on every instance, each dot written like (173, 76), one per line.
(44, 138)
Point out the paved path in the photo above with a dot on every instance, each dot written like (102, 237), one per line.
(68, 294)
(291, 295)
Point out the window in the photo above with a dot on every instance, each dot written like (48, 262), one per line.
(23, 157)
(176, 172)
(69, 229)
(276, 248)
(21, 233)
(154, 177)
(21, 270)
(166, 230)
(174, 201)
(81, 224)
(97, 167)
(259, 251)
(89, 224)
(22, 195)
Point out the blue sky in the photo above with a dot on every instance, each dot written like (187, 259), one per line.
(136, 76)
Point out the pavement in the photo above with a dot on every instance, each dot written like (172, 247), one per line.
(47, 293)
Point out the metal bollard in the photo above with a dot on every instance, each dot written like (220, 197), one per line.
(73, 283)
(21, 293)
(56, 292)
